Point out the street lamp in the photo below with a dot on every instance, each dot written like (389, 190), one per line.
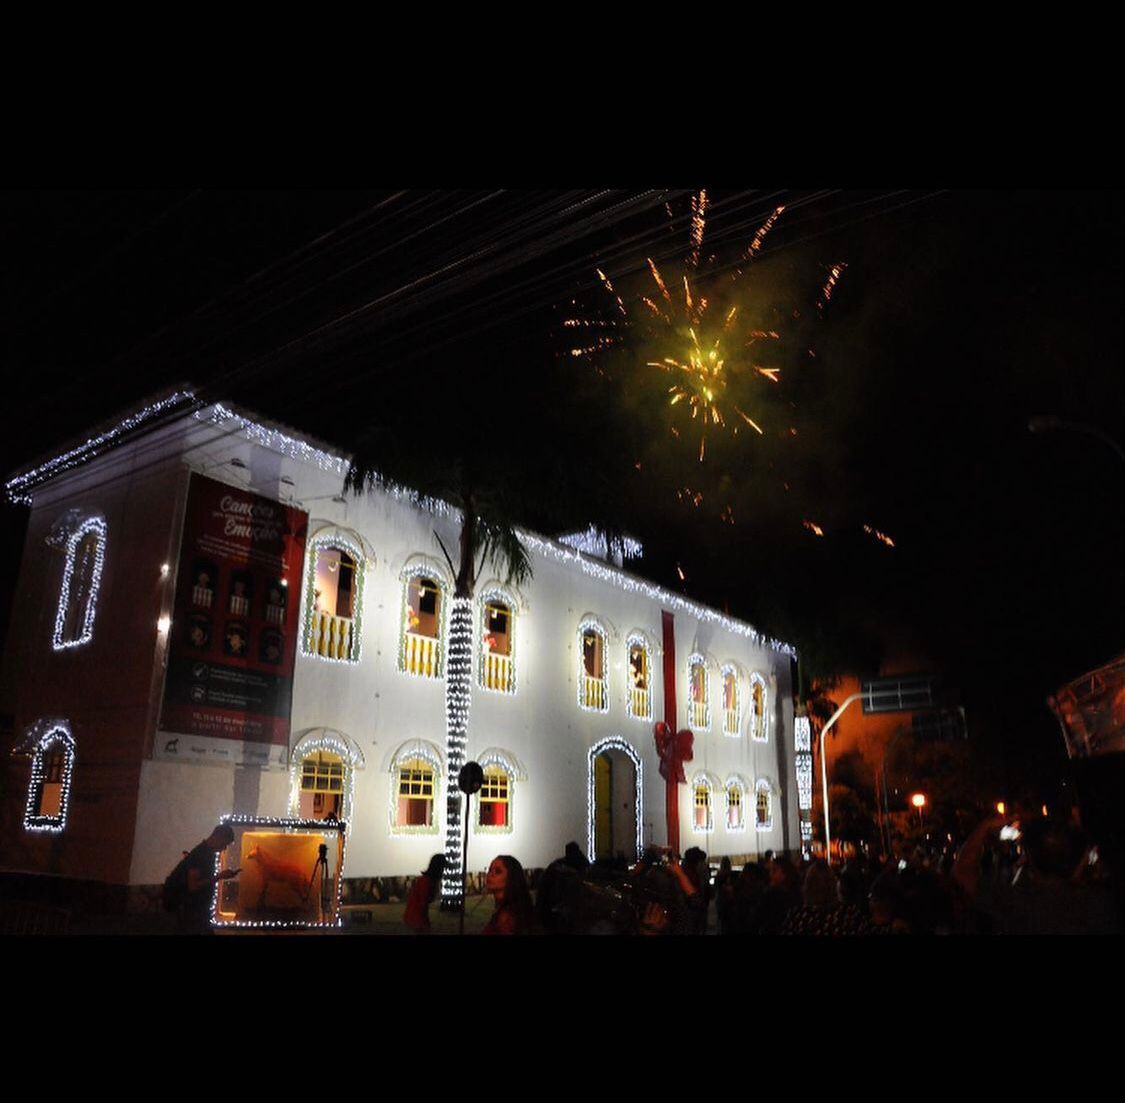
(919, 802)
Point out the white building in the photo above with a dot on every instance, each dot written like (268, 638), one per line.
(141, 716)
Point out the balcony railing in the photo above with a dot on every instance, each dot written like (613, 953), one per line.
(421, 655)
(730, 721)
(699, 714)
(239, 606)
(496, 672)
(201, 596)
(275, 614)
(594, 693)
(638, 699)
(332, 636)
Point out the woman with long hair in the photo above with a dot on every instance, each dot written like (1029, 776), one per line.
(507, 883)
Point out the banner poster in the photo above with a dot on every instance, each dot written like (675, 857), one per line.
(229, 686)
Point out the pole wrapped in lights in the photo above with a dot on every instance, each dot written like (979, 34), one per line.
(96, 527)
(41, 738)
(458, 698)
(803, 764)
(614, 743)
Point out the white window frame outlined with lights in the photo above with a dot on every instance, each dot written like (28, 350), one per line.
(638, 702)
(406, 757)
(759, 723)
(593, 692)
(420, 655)
(732, 717)
(68, 592)
(702, 781)
(614, 743)
(734, 782)
(55, 733)
(699, 712)
(324, 635)
(315, 742)
(496, 672)
(763, 787)
(496, 764)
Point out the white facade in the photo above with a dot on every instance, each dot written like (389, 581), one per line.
(373, 713)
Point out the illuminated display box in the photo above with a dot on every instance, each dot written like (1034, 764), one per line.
(291, 874)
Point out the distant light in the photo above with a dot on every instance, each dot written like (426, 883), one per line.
(918, 800)
(164, 569)
(284, 582)
(1001, 807)
(1044, 809)
(163, 624)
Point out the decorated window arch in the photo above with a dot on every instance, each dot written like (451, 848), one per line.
(763, 804)
(732, 700)
(593, 666)
(82, 576)
(415, 785)
(334, 572)
(703, 802)
(51, 745)
(424, 601)
(699, 693)
(638, 653)
(495, 799)
(322, 777)
(759, 708)
(496, 670)
(736, 790)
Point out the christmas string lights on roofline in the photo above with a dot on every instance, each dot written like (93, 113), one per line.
(593, 542)
(19, 488)
(97, 526)
(274, 439)
(54, 731)
(614, 743)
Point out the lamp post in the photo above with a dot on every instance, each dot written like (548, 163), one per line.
(919, 802)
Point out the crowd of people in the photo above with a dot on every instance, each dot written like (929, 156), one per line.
(1046, 880)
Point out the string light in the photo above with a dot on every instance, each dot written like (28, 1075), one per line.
(593, 542)
(614, 743)
(314, 744)
(274, 439)
(499, 596)
(290, 826)
(96, 526)
(704, 725)
(762, 785)
(340, 542)
(19, 488)
(589, 624)
(759, 718)
(53, 732)
(458, 697)
(639, 639)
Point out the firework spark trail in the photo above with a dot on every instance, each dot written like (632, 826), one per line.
(760, 236)
(698, 224)
(882, 537)
(609, 287)
(834, 274)
(659, 280)
(813, 527)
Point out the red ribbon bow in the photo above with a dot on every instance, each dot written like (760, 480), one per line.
(674, 748)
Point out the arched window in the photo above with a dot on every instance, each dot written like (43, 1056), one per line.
(701, 800)
(422, 623)
(494, 801)
(497, 670)
(333, 598)
(699, 690)
(322, 776)
(639, 702)
(732, 705)
(763, 812)
(736, 804)
(759, 726)
(414, 790)
(52, 765)
(593, 680)
(82, 575)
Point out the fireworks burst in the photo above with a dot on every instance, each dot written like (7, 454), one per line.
(882, 537)
(711, 353)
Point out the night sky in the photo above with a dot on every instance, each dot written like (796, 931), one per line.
(959, 315)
